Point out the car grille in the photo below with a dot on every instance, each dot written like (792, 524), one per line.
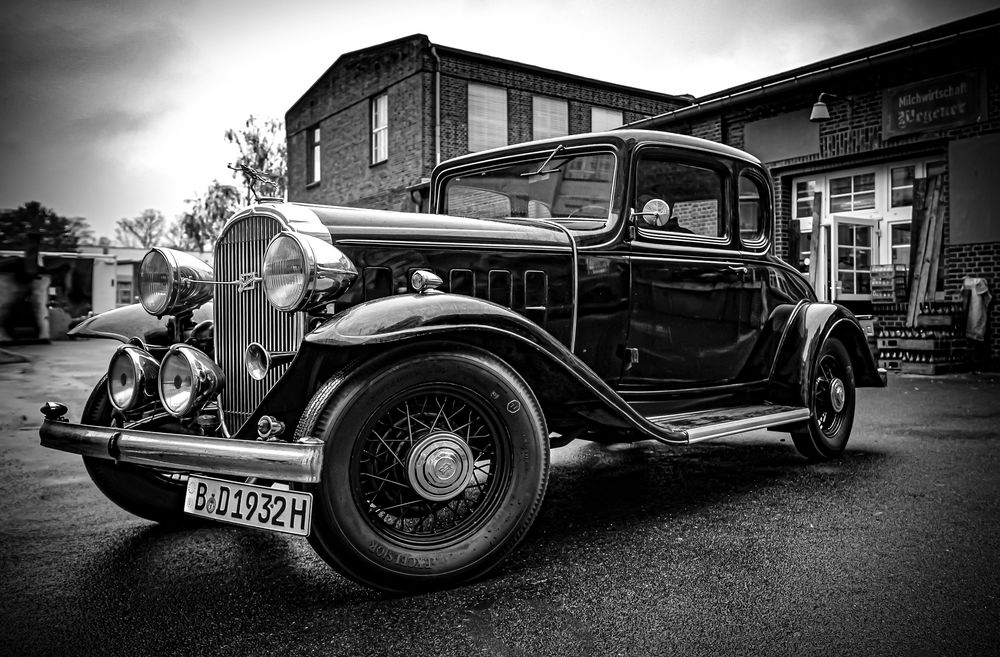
(243, 317)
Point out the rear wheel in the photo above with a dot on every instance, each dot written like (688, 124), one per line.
(832, 404)
(434, 469)
(145, 492)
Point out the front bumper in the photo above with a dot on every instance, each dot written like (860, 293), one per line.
(279, 461)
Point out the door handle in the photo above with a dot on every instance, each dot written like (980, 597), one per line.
(739, 270)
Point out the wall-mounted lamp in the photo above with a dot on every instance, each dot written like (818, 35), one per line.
(820, 112)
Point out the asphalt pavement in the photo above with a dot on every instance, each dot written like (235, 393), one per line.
(734, 547)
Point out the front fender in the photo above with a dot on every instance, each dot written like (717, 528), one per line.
(403, 317)
(130, 322)
(807, 329)
(566, 387)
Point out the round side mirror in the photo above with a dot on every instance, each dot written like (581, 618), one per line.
(655, 213)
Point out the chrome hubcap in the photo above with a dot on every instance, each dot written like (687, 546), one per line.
(439, 466)
(838, 395)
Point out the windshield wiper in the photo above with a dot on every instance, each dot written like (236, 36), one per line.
(542, 170)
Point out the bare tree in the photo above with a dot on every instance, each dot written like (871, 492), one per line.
(144, 230)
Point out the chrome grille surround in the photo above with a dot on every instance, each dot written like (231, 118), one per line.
(243, 317)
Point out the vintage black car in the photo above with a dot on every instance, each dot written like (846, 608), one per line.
(390, 384)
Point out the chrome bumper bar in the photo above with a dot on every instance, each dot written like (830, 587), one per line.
(299, 462)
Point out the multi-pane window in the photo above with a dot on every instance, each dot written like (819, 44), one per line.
(380, 128)
(549, 117)
(854, 258)
(602, 118)
(487, 117)
(899, 243)
(852, 193)
(901, 186)
(804, 199)
(124, 289)
(312, 155)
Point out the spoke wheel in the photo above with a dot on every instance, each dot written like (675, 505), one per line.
(434, 469)
(425, 467)
(832, 404)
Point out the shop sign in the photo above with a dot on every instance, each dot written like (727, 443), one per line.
(936, 104)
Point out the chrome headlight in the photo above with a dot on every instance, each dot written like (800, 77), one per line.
(132, 376)
(188, 379)
(172, 281)
(302, 272)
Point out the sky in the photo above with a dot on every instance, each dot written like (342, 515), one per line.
(111, 107)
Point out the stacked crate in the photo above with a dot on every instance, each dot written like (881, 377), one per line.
(888, 283)
(936, 345)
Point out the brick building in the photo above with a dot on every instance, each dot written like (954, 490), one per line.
(899, 113)
(369, 131)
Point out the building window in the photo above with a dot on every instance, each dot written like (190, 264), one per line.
(487, 117)
(380, 128)
(549, 117)
(124, 288)
(312, 155)
(901, 186)
(602, 118)
(804, 199)
(852, 193)
(899, 243)
(854, 259)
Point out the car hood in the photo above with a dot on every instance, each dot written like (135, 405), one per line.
(359, 226)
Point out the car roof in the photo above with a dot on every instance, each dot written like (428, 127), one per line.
(621, 137)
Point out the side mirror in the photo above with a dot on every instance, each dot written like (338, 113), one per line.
(655, 213)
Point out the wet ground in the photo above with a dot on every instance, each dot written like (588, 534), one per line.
(733, 547)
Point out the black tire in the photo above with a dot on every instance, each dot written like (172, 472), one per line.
(144, 492)
(832, 399)
(459, 426)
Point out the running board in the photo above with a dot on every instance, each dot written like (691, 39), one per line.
(718, 422)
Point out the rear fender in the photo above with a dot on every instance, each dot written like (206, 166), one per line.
(808, 327)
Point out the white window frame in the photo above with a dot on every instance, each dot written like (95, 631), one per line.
(549, 117)
(380, 128)
(605, 118)
(487, 120)
(882, 217)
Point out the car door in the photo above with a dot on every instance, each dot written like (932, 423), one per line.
(692, 293)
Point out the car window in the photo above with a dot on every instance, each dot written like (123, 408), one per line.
(574, 190)
(751, 209)
(690, 195)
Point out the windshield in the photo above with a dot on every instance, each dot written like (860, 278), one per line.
(572, 190)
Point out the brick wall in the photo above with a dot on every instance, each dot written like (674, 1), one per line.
(339, 104)
(522, 85)
(979, 261)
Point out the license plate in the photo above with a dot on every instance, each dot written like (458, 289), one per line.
(272, 509)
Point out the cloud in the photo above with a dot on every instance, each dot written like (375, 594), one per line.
(77, 81)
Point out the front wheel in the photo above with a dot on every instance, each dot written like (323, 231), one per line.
(832, 404)
(145, 492)
(435, 468)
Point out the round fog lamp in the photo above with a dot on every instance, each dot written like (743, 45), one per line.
(188, 379)
(132, 376)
